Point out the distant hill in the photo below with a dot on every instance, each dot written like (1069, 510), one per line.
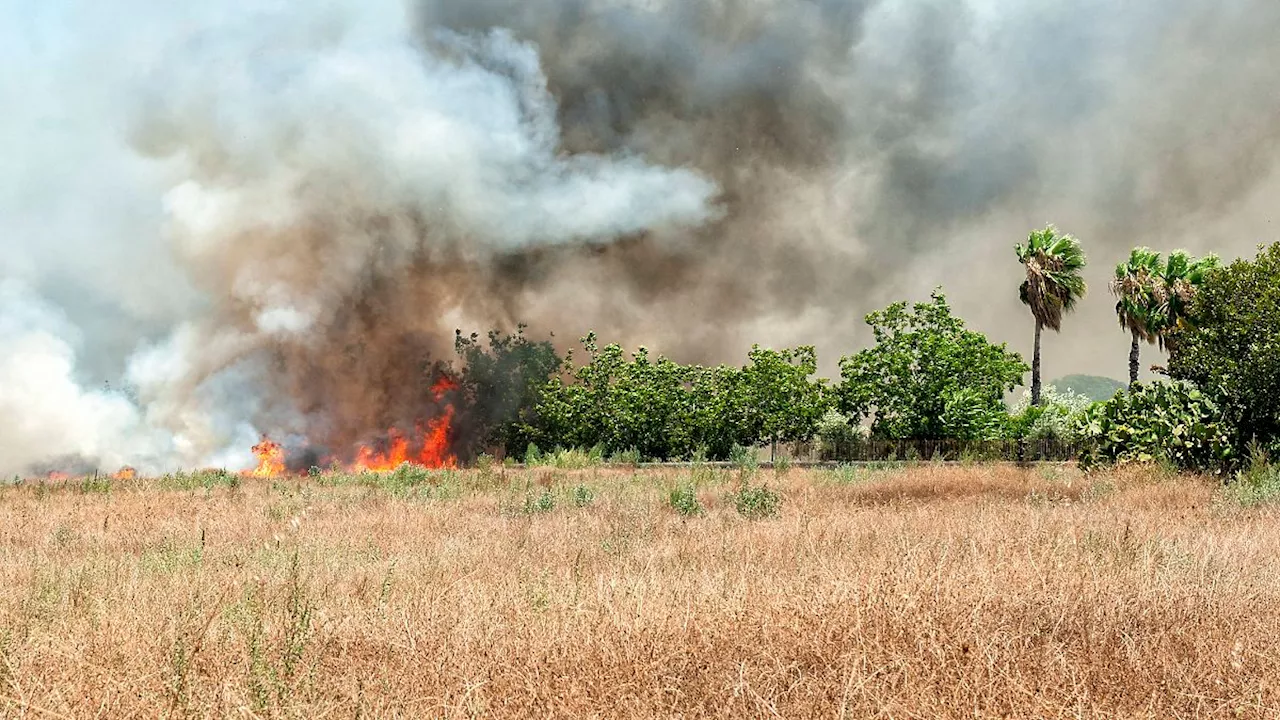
(1093, 387)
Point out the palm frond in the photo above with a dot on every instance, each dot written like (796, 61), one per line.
(1054, 281)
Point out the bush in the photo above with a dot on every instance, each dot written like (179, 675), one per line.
(927, 376)
(684, 500)
(1162, 422)
(744, 458)
(1259, 482)
(1058, 417)
(837, 436)
(629, 456)
(543, 502)
(756, 502)
(582, 496)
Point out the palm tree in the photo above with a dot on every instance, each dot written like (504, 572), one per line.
(1136, 286)
(1178, 281)
(1054, 284)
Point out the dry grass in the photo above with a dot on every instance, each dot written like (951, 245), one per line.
(930, 592)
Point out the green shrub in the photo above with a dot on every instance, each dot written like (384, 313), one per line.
(782, 465)
(837, 436)
(684, 500)
(1230, 347)
(1258, 482)
(582, 496)
(756, 501)
(744, 458)
(536, 503)
(630, 456)
(1058, 417)
(1171, 422)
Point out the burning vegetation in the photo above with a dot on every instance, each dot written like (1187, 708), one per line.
(430, 444)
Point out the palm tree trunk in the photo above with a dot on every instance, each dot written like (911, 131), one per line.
(1035, 368)
(1133, 361)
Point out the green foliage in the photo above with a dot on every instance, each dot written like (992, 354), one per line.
(1259, 482)
(663, 410)
(582, 496)
(1180, 279)
(684, 500)
(619, 404)
(628, 456)
(744, 458)
(836, 435)
(1136, 287)
(1058, 417)
(500, 387)
(1162, 422)
(540, 502)
(1094, 387)
(1054, 283)
(1231, 346)
(927, 376)
(783, 403)
(756, 501)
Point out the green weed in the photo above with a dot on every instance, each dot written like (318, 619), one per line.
(1257, 484)
(582, 496)
(684, 500)
(756, 501)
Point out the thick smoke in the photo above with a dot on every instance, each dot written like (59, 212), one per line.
(271, 219)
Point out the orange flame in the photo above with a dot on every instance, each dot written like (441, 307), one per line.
(270, 459)
(125, 473)
(429, 446)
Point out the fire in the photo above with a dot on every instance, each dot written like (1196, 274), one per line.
(125, 473)
(270, 459)
(429, 445)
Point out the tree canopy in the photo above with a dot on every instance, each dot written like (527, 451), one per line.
(1231, 347)
(927, 376)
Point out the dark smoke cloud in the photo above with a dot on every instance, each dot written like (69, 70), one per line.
(868, 150)
(288, 210)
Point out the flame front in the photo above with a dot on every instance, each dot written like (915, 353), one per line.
(428, 447)
(125, 473)
(270, 459)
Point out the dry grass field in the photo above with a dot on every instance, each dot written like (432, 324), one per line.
(898, 593)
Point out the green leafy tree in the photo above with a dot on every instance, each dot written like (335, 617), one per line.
(1135, 287)
(927, 376)
(719, 412)
(1054, 263)
(501, 386)
(1231, 346)
(618, 404)
(784, 402)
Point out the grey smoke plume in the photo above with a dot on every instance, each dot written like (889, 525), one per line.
(272, 219)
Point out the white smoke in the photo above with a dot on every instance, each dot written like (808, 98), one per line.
(274, 143)
(48, 416)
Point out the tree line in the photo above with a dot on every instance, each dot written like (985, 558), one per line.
(926, 376)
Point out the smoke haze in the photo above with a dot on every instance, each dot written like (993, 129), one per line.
(237, 218)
